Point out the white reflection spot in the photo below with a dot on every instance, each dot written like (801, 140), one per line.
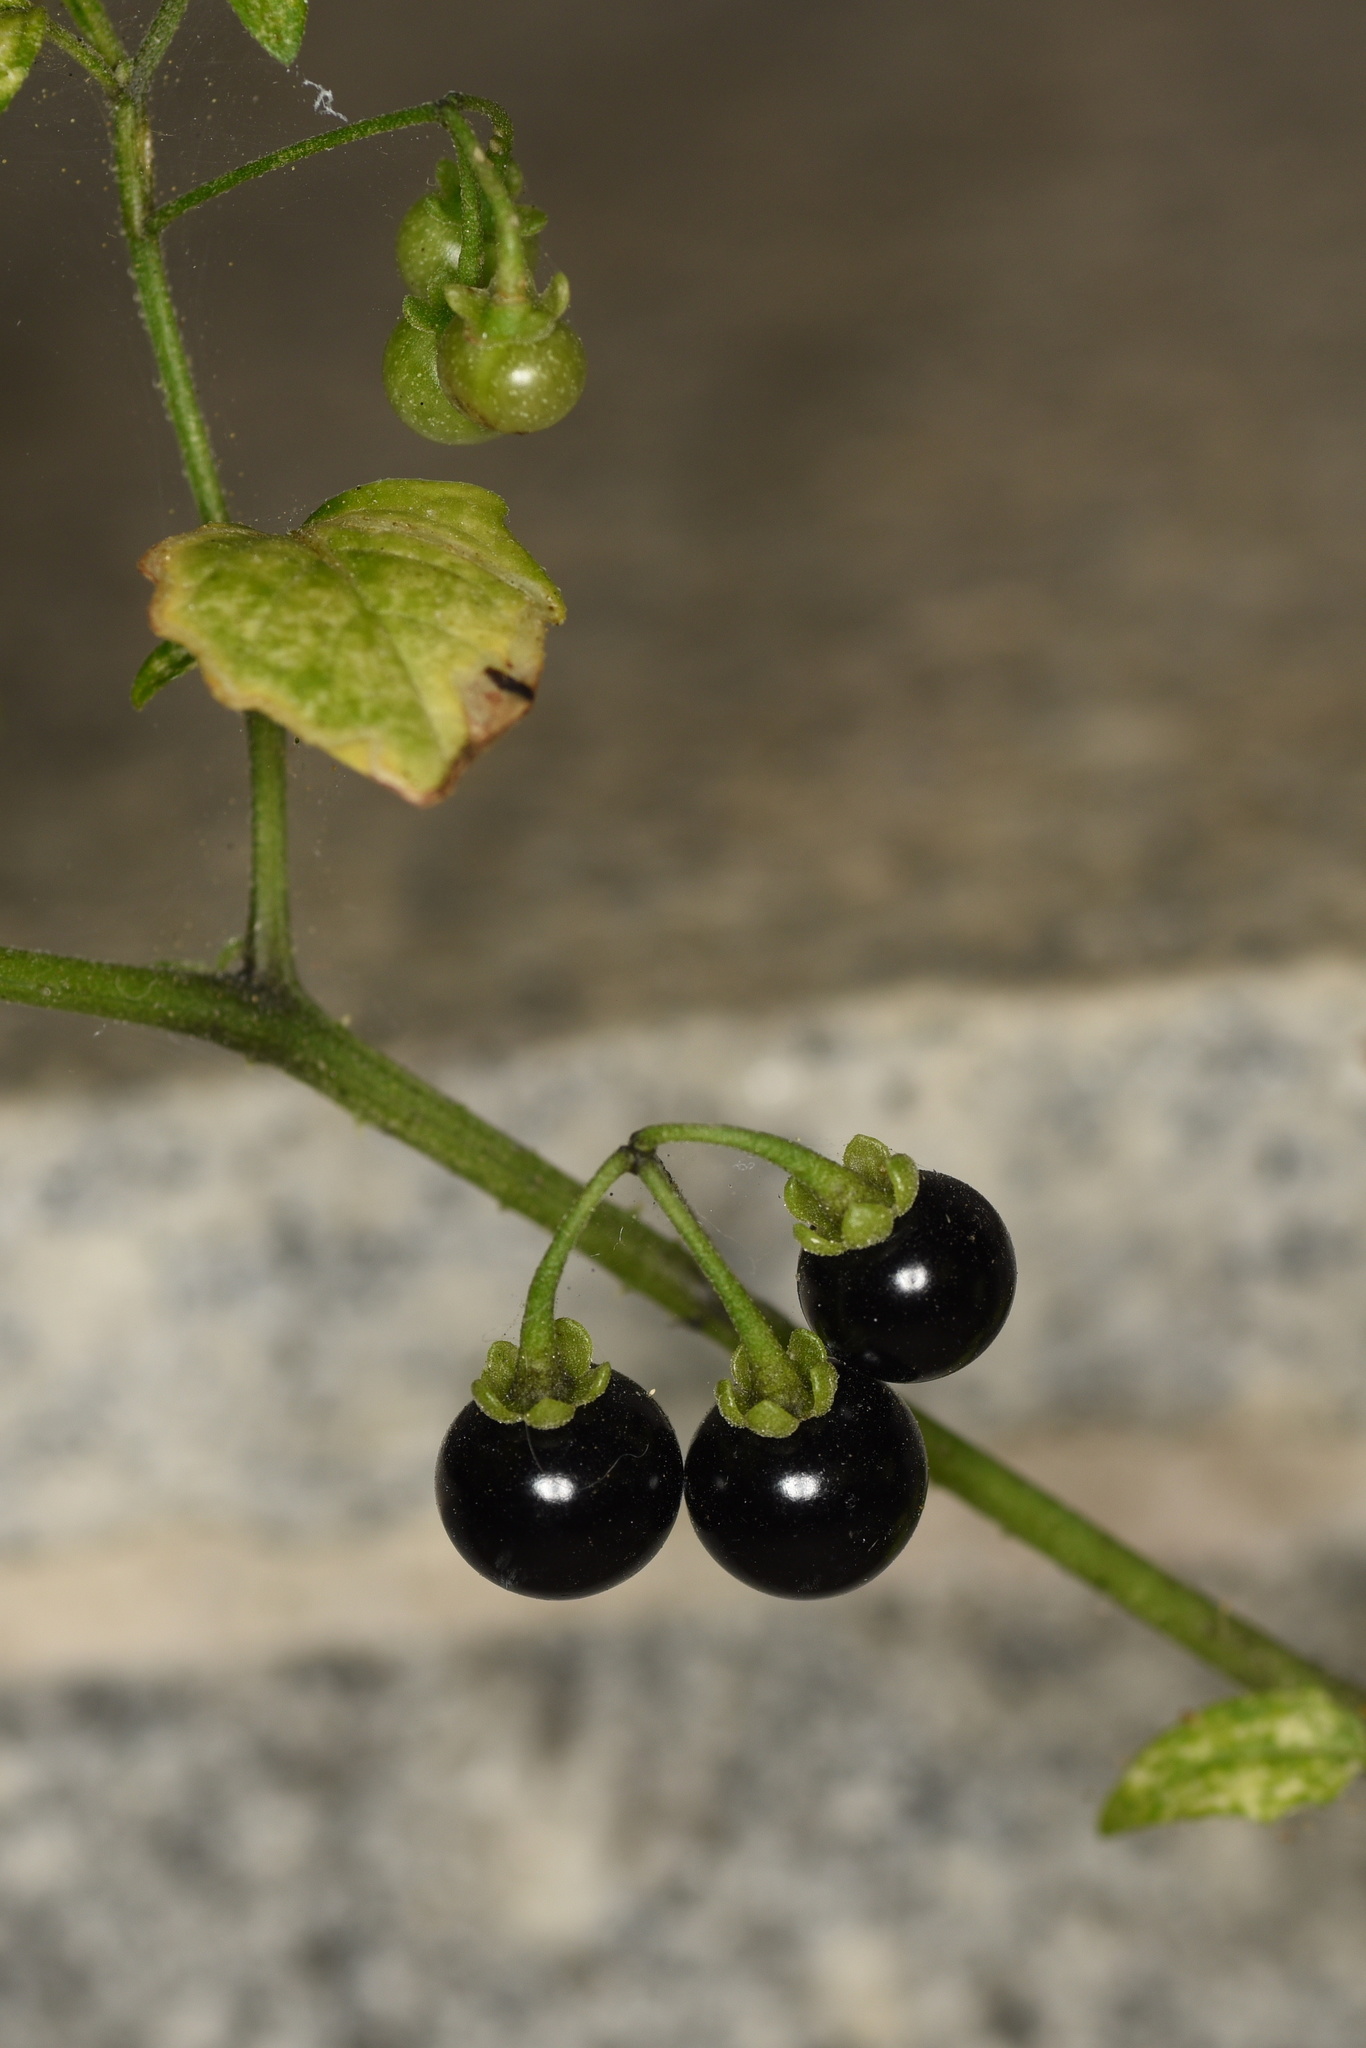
(911, 1279)
(552, 1486)
(800, 1485)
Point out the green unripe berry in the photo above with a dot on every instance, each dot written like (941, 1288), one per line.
(416, 395)
(515, 387)
(428, 247)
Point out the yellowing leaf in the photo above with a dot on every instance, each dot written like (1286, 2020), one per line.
(21, 38)
(401, 628)
(1259, 1756)
(278, 25)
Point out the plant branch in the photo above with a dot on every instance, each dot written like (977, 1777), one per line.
(284, 1029)
(94, 24)
(89, 59)
(537, 1338)
(133, 171)
(155, 44)
(295, 153)
(747, 1318)
(269, 951)
(1205, 1627)
(834, 1182)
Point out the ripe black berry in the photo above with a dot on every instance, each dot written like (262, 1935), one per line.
(817, 1512)
(562, 1512)
(925, 1301)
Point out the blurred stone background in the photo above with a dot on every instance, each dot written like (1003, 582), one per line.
(958, 731)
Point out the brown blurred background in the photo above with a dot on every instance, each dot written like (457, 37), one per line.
(962, 531)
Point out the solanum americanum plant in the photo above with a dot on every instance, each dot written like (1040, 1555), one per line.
(401, 628)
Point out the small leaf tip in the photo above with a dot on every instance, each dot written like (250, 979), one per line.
(277, 25)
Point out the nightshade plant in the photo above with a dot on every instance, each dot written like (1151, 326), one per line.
(401, 629)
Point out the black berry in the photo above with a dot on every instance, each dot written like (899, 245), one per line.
(925, 1301)
(817, 1512)
(557, 1513)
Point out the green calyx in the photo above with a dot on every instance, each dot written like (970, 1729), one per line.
(512, 363)
(546, 1392)
(774, 1399)
(488, 316)
(884, 1187)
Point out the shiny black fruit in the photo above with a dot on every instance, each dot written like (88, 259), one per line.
(925, 1301)
(557, 1513)
(817, 1512)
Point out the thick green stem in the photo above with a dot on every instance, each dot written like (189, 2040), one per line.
(1199, 1624)
(269, 954)
(775, 1377)
(282, 1028)
(538, 1318)
(833, 1183)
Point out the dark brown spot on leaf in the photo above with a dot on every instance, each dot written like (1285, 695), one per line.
(512, 684)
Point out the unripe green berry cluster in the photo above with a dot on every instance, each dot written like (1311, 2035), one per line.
(478, 351)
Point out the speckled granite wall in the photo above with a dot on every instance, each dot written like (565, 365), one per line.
(228, 1301)
(276, 1771)
(865, 1826)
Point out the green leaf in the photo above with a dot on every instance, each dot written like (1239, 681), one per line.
(165, 662)
(278, 25)
(401, 628)
(21, 38)
(1258, 1756)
